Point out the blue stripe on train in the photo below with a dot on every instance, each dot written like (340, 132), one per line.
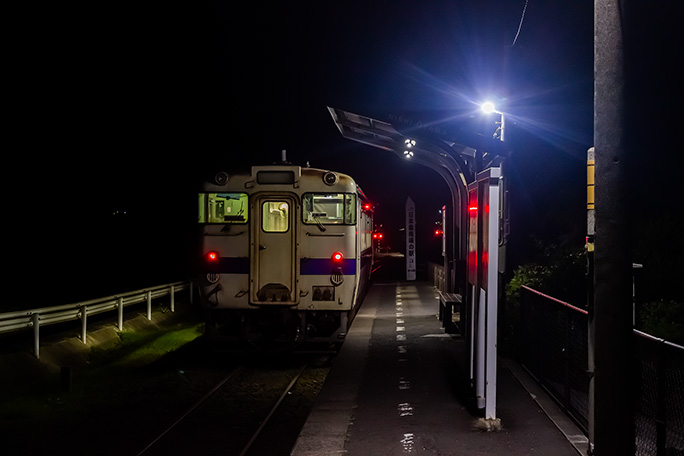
(308, 266)
(318, 266)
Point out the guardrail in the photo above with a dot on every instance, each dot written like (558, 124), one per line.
(22, 320)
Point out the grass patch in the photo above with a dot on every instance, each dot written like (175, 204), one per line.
(162, 345)
(134, 350)
(137, 348)
(118, 385)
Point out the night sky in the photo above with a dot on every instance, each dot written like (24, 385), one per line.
(119, 110)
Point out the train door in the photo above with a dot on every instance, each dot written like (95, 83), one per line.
(274, 255)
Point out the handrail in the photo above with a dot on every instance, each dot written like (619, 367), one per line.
(35, 318)
(659, 340)
(551, 298)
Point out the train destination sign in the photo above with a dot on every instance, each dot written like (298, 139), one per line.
(410, 239)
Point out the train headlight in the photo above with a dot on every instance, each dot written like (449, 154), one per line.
(212, 277)
(221, 178)
(212, 261)
(330, 178)
(336, 276)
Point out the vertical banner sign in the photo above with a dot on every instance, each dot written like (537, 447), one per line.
(410, 239)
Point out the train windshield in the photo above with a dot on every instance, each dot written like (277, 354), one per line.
(329, 208)
(223, 208)
(275, 216)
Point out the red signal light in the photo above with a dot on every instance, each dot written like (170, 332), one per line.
(337, 257)
(212, 257)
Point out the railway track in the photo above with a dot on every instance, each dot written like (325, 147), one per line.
(246, 413)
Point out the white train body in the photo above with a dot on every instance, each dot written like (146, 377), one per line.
(285, 249)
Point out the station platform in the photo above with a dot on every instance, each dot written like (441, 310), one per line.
(398, 387)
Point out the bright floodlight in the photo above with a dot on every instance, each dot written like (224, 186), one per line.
(488, 107)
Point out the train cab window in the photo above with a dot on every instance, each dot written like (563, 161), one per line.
(223, 208)
(275, 216)
(329, 208)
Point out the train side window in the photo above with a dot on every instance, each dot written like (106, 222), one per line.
(275, 216)
(329, 208)
(349, 208)
(223, 208)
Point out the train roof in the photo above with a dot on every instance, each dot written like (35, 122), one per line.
(282, 175)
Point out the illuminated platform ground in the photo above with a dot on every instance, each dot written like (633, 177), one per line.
(397, 387)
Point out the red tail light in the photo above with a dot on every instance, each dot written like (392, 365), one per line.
(337, 257)
(212, 257)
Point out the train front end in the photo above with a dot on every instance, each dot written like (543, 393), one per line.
(281, 254)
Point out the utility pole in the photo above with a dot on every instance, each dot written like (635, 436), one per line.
(611, 403)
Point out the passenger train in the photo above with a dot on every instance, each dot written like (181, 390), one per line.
(287, 255)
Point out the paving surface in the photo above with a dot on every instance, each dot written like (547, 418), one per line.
(398, 387)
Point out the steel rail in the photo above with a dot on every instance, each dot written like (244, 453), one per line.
(211, 392)
(215, 389)
(271, 412)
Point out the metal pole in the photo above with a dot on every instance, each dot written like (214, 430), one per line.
(591, 236)
(492, 278)
(35, 318)
(84, 323)
(480, 350)
(173, 301)
(149, 305)
(611, 426)
(121, 310)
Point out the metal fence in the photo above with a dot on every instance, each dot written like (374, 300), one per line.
(659, 413)
(34, 319)
(554, 350)
(553, 337)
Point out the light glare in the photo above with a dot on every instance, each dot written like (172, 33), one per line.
(488, 107)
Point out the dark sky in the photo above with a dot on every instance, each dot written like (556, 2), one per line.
(125, 106)
(431, 62)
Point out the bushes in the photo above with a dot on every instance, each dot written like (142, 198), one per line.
(561, 272)
(557, 271)
(664, 319)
